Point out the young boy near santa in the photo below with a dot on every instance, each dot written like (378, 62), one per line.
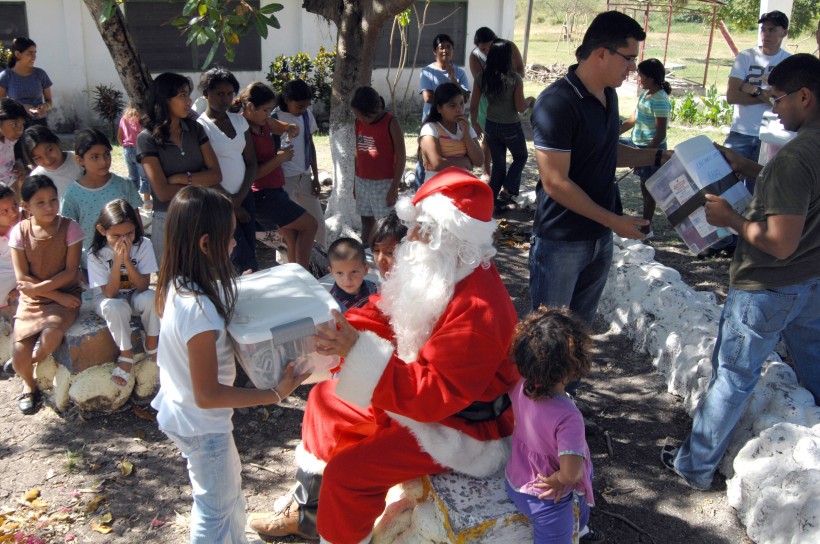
(348, 266)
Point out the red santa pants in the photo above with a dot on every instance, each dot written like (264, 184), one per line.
(357, 478)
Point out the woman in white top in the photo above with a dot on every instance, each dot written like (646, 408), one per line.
(231, 140)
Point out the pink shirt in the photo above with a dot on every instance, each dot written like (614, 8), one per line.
(545, 429)
(130, 128)
(73, 235)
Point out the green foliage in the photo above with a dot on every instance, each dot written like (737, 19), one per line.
(5, 55)
(743, 15)
(711, 109)
(317, 72)
(218, 22)
(109, 104)
(717, 111)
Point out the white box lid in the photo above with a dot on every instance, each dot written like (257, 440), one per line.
(277, 296)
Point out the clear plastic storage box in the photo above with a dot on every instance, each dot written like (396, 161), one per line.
(276, 314)
(695, 169)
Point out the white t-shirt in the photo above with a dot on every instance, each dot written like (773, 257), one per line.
(7, 175)
(452, 145)
(185, 315)
(99, 267)
(752, 66)
(66, 174)
(297, 165)
(228, 150)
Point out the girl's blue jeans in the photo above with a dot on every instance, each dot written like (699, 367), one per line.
(500, 138)
(751, 324)
(552, 523)
(135, 172)
(218, 514)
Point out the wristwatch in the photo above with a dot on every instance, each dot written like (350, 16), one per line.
(757, 92)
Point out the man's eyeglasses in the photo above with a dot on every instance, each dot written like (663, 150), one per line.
(628, 58)
(773, 101)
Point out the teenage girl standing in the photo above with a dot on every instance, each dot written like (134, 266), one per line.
(504, 89)
(195, 299)
(231, 140)
(173, 149)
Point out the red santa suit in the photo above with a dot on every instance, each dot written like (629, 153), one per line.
(392, 420)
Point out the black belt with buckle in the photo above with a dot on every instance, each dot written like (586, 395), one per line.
(479, 412)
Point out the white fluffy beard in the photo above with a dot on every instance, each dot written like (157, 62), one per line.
(416, 292)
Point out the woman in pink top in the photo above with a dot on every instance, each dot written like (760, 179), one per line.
(549, 474)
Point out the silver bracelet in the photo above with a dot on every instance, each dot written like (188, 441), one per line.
(278, 396)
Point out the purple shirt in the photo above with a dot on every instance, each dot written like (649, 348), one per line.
(545, 429)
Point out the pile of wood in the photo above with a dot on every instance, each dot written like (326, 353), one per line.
(540, 73)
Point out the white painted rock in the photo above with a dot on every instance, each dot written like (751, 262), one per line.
(776, 490)
(146, 375)
(93, 390)
(44, 373)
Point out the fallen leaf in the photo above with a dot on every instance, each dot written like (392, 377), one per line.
(104, 529)
(155, 523)
(31, 494)
(144, 414)
(50, 474)
(39, 503)
(126, 467)
(107, 517)
(70, 537)
(139, 435)
(265, 414)
(94, 503)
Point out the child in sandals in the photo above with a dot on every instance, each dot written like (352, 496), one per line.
(120, 263)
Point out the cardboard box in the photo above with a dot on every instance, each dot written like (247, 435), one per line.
(276, 315)
(679, 186)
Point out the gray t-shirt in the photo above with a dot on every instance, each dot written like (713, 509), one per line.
(788, 185)
(187, 157)
(501, 107)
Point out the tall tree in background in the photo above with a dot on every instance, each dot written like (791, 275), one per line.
(743, 15)
(358, 24)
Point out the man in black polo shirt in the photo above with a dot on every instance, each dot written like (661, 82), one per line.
(575, 123)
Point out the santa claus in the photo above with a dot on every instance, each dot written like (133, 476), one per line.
(423, 386)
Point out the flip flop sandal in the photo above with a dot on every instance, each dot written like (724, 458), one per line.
(593, 536)
(124, 375)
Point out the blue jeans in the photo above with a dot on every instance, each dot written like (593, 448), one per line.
(135, 172)
(570, 274)
(243, 256)
(552, 523)
(748, 146)
(751, 324)
(500, 138)
(218, 514)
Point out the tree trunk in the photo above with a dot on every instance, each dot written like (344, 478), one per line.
(358, 24)
(134, 74)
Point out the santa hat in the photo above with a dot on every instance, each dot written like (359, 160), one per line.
(457, 201)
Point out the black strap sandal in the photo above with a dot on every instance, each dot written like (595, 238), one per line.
(27, 402)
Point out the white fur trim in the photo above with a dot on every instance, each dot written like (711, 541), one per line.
(309, 462)
(456, 450)
(363, 368)
(405, 209)
(464, 227)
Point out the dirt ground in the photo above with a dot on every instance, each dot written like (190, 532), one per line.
(116, 478)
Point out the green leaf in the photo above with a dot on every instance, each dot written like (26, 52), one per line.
(179, 21)
(209, 32)
(210, 56)
(261, 27)
(274, 22)
(271, 8)
(203, 10)
(190, 7)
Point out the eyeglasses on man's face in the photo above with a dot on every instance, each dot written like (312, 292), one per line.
(773, 101)
(630, 59)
